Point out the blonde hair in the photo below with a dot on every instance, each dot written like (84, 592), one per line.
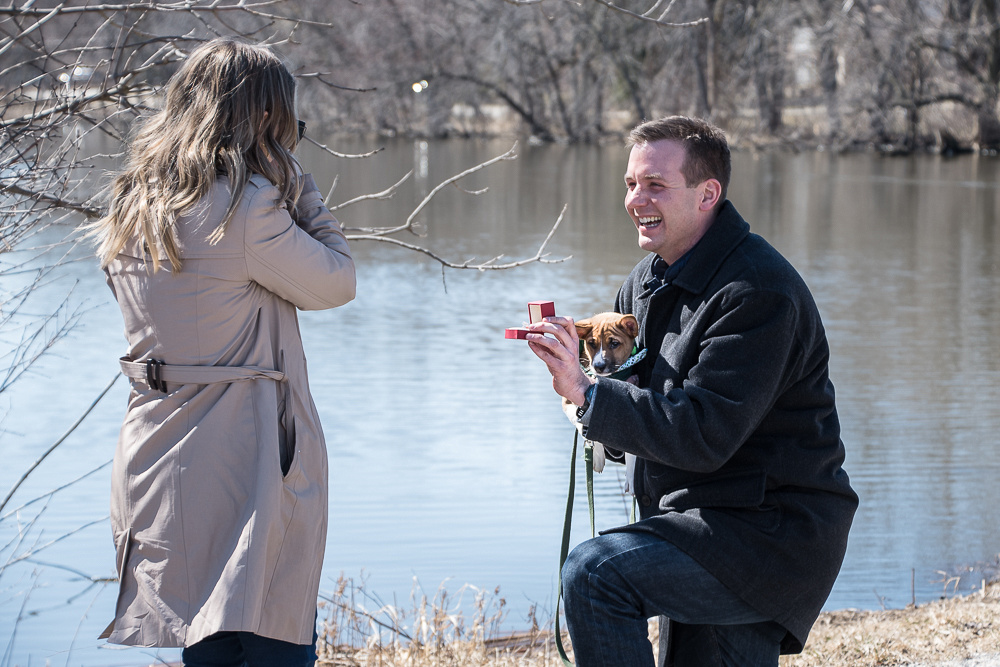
(229, 112)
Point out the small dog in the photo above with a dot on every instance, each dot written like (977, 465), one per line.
(607, 342)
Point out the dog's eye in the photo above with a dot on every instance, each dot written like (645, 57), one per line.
(615, 343)
(592, 342)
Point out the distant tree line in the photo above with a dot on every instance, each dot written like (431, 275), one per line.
(895, 74)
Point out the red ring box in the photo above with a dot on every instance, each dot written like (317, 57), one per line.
(537, 310)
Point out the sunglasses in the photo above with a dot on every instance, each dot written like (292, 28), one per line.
(302, 129)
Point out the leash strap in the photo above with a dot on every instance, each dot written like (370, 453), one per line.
(588, 457)
(564, 549)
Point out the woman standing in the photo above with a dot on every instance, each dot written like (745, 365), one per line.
(219, 494)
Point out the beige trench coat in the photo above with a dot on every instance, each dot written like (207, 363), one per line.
(210, 534)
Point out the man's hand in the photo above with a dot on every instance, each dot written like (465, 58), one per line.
(561, 355)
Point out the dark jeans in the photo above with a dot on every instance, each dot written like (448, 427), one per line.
(245, 649)
(614, 583)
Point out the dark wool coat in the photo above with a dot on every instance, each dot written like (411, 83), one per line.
(734, 425)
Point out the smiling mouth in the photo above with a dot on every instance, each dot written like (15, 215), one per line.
(648, 221)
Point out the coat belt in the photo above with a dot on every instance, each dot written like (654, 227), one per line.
(156, 374)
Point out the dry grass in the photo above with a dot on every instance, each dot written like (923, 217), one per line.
(944, 631)
(362, 631)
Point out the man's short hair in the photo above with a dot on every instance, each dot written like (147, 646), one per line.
(706, 151)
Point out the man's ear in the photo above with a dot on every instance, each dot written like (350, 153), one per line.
(631, 325)
(711, 193)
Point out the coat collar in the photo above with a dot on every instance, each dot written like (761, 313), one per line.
(721, 238)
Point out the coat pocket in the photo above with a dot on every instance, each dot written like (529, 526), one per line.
(741, 495)
(286, 430)
(740, 489)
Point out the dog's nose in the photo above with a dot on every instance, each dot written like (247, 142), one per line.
(600, 365)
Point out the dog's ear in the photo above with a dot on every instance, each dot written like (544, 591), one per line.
(583, 328)
(631, 325)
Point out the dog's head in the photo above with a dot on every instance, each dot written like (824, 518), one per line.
(608, 340)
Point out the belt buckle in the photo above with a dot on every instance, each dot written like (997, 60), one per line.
(153, 376)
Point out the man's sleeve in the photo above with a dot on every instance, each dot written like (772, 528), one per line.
(742, 362)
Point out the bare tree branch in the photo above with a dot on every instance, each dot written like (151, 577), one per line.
(385, 194)
(654, 20)
(489, 265)
(409, 223)
(184, 6)
(58, 442)
(348, 156)
(53, 200)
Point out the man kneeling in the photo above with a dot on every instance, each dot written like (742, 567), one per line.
(744, 507)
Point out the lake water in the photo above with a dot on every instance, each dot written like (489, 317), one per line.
(449, 453)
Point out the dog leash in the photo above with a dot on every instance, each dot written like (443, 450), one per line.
(588, 457)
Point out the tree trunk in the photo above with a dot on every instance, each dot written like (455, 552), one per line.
(710, 59)
(989, 123)
(827, 71)
(703, 108)
(769, 79)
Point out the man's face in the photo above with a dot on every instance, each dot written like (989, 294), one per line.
(669, 216)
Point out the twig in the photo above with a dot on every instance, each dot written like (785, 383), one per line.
(183, 6)
(89, 211)
(385, 194)
(34, 344)
(82, 575)
(334, 153)
(122, 89)
(17, 621)
(650, 19)
(489, 265)
(319, 77)
(42, 547)
(358, 610)
(881, 600)
(408, 225)
(59, 441)
(49, 494)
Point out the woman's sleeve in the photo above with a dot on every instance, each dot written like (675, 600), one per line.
(305, 261)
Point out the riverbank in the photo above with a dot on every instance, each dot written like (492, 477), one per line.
(950, 632)
(959, 631)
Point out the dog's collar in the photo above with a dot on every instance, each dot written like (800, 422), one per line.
(625, 370)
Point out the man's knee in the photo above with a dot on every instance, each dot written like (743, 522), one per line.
(576, 571)
(588, 570)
